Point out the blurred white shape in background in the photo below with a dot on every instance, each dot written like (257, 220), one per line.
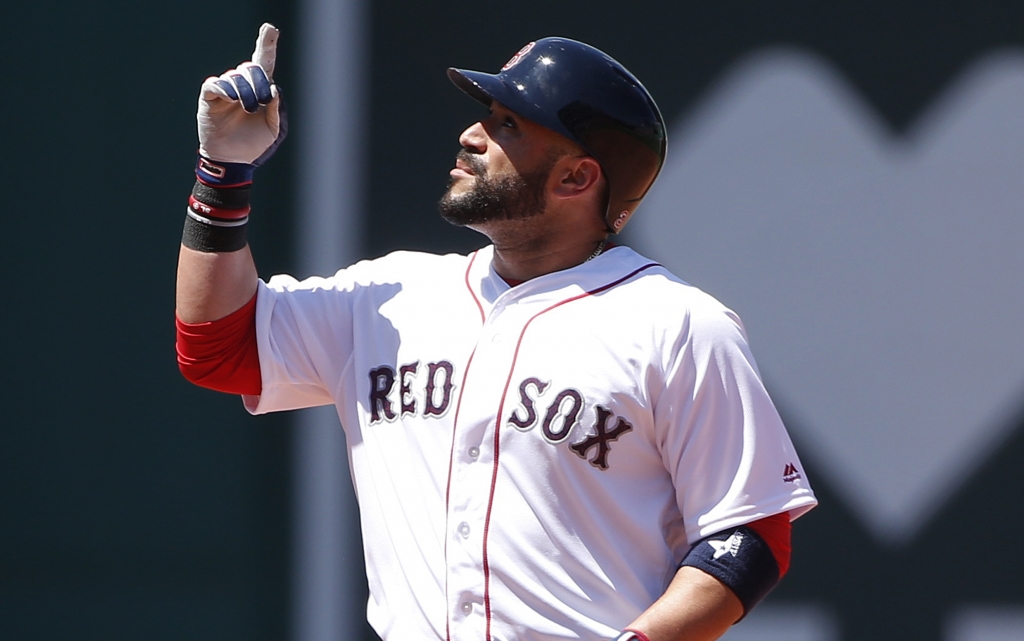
(327, 600)
(985, 623)
(879, 277)
(802, 622)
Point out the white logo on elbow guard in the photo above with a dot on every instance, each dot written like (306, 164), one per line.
(729, 546)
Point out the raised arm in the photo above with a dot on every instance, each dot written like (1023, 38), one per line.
(240, 124)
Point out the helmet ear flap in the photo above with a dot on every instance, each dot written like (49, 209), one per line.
(634, 167)
(590, 98)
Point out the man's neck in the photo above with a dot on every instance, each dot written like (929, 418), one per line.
(549, 242)
(601, 247)
(521, 263)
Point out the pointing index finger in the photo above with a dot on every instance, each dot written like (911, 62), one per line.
(265, 53)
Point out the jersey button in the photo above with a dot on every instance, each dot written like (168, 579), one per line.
(464, 529)
(474, 453)
(497, 338)
(467, 607)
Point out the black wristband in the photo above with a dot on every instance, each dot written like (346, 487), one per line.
(212, 235)
(222, 197)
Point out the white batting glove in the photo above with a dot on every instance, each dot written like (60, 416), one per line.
(241, 117)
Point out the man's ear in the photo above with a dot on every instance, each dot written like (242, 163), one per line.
(576, 176)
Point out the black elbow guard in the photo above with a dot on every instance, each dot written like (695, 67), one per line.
(739, 558)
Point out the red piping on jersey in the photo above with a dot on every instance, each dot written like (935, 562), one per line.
(497, 428)
(472, 292)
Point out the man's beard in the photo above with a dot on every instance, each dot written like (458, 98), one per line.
(512, 197)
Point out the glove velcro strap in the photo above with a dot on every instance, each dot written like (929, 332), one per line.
(223, 174)
(739, 558)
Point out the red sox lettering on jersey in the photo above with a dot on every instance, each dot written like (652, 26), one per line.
(561, 417)
(531, 462)
(437, 391)
(556, 423)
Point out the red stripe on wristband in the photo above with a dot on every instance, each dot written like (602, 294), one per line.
(210, 211)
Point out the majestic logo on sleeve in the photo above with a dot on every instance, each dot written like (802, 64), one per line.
(561, 415)
(436, 382)
(791, 474)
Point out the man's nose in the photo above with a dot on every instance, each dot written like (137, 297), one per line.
(474, 139)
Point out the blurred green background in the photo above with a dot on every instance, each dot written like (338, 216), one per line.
(135, 506)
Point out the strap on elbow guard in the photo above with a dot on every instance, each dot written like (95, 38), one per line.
(739, 558)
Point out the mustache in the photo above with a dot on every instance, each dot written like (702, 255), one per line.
(475, 162)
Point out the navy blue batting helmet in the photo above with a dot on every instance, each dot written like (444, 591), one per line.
(591, 99)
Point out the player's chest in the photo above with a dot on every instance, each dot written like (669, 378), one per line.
(568, 381)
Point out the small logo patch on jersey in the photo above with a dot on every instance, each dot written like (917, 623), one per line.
(729, 546)
(791, 474)
(514, 60)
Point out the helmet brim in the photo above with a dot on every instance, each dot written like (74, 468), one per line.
(488, 88)
(482, 87)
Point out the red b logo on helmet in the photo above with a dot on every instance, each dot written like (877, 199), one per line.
(519, 56)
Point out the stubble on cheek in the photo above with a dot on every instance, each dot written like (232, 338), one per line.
(486, 198)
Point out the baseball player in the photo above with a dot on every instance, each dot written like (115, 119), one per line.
(552, 437)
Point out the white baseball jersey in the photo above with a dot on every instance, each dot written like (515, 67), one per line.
(531, 462)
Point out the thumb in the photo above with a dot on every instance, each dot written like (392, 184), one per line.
(274, 114)
(265, 53)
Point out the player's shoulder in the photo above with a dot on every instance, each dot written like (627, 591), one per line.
(666, 298)
(407, 264)
(402, 266)
(661, 288)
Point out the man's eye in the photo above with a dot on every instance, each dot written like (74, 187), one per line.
(510, 123)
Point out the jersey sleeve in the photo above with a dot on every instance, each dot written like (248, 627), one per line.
(722, 440)
(304, 338)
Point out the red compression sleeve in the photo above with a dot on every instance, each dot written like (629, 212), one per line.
(221, 355)
(776, 531)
